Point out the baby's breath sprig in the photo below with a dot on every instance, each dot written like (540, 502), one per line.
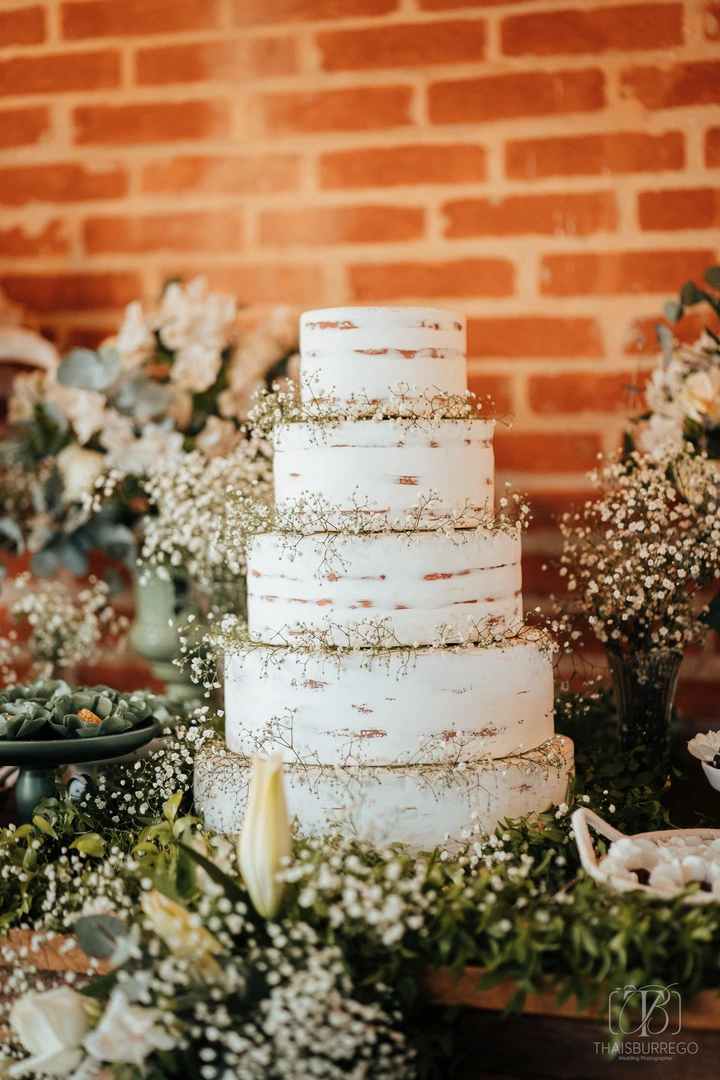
(278, 407)
(192, 498)
(332, 526)
(636, 557)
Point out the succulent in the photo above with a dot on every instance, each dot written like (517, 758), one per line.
(53, 708)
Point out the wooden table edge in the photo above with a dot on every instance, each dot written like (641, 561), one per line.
(701, 1012)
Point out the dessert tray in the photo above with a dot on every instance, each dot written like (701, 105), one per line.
(660, 864)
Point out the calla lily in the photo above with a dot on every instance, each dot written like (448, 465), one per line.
(184, 935)
(265, 839)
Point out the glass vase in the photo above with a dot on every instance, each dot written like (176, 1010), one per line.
(645, 686)
(161, 609)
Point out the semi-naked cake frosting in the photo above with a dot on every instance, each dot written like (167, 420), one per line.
(386, 658)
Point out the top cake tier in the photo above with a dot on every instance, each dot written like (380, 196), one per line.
(379, 353)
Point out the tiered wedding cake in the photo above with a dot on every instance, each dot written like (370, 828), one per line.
(386, 656)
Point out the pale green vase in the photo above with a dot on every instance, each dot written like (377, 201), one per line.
(160, 613)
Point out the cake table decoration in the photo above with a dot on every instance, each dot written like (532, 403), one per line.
(48, 723)
(385, 655)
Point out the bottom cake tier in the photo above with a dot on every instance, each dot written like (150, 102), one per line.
(419, 806)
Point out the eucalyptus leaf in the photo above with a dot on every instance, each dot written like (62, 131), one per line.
(11, 530)
(114, 581)
(712, 276)
(75, 555)
(141, 398)
(98, 935)
(673, 310)
(667, 343)
(90, 370)
(45, 562)
(690, 294)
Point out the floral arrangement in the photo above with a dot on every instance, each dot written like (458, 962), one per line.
(65, 627)
(178, 376)
(683, 393)
(636, 558)
(192, 499)
(51, 708)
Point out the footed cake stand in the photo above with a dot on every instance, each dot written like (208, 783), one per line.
(37, 759)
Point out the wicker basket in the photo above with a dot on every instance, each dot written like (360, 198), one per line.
(581, 819)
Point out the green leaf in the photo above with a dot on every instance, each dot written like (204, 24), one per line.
(102, 987)
(171, 807)
(230, 887)
(90, 844)
(690, 294)
(99, 934)
(667, 343)
(90, 370)
(712, 276)
(44, 826)
(673, 311)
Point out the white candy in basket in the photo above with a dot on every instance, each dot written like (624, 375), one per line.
(661, 863)
(667, 864)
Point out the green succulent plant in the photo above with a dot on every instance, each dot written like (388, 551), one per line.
(52, 708)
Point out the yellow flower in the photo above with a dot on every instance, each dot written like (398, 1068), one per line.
(184, 935)
(265, 838)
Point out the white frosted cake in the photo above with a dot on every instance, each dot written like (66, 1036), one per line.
(385, 656)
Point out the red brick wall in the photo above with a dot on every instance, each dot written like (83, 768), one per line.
(547, 166)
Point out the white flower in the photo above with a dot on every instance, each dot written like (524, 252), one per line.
(190, 314)
(265, 840)
(196, 367)
(85, 409)
(705, 745)
(79, 469)
(127, 1033)
(699, 396)
(51, 1027)
(135, 456)
(184, 935)
(218, 438)
(27, 392)
(91, 1069)
(660, 434)
(135, 340)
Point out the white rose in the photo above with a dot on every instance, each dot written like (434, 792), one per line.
(79, 469)
(700, 396)
(127, 1033)
(51, 1027)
